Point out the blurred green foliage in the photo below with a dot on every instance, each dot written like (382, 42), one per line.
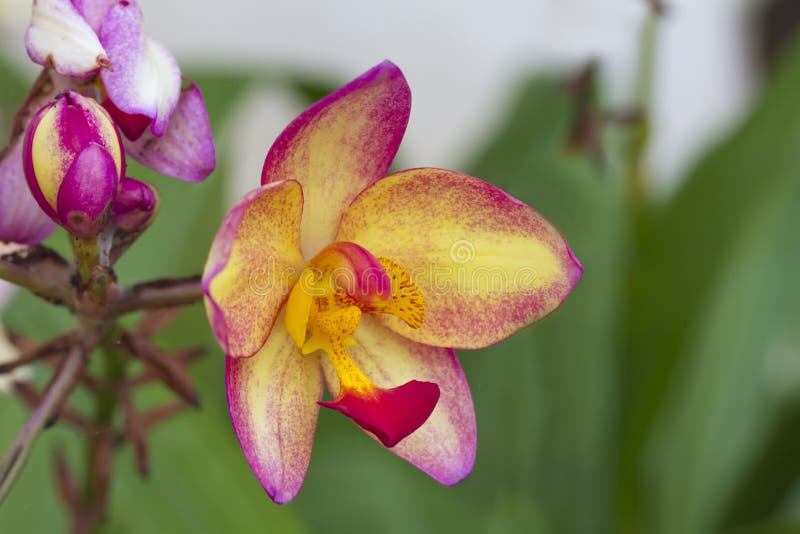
(662, 397)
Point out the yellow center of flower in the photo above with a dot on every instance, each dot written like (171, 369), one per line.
(325, 306)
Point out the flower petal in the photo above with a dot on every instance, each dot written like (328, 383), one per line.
(487, 264)
(340, 145)
(58, 36)
(272, 398)
(254, 260)
(87, 190)
(93, 11)
(391, 414)
(144, 78)
(21, 219)
(355, 271)
(186, 150)
(133, 126)
(444, 446)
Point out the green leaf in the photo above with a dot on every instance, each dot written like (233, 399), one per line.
(711, 287)
(545, 398)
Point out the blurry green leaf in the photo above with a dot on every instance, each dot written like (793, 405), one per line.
(767, 528)
(545, 398)
(709, 295)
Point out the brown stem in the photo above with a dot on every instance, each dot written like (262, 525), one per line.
(100, 443)
(55, 346)
(65, 482)
(62, 383)
(658, 7)
(41, 271)
(33, 398)
(170, 370)
(135, 433)
(156, 415)
(181, 357)
(166, 293)
(155, 321)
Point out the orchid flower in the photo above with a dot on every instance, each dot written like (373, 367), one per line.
(98, 48)
(332, 271)
(84, 38)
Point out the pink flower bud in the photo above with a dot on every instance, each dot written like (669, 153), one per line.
(73, 160)
(136, 205)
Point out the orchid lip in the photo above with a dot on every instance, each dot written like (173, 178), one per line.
(324, 309)
(390, 414)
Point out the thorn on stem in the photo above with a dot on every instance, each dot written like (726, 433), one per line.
(136, 435)
(33, 398)
(58, 345)
(170, 370)
(154, 321)
(162, 413)
(65, 482)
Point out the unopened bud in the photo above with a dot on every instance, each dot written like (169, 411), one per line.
(135, 206)
(73, 160)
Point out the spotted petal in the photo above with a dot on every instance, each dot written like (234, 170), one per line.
(59, 37)
(272, 399)
(486, 263)
(186, 150)
(340, 145)
(144, 78)
(21, 219)
(254, 260)
(444, 446)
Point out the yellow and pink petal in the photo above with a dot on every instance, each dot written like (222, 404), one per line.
(486, 263)
(254, 261)
(340, 145)
(444, 445)
(272, 398)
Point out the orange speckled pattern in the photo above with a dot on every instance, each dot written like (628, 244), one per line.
(486, 263)
(272, 398)
(340, 145)
(254, 261)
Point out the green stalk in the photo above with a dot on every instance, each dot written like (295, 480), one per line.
(87, 256)
(629, 499)
(99, 447)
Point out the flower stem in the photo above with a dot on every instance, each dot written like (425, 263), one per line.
(41, 271)
(60, 386)
(100, 444)
(637, 171)
(87, 255)
(165, 293)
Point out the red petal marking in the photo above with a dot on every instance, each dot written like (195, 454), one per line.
(391, 414)
(132, 125)
(360, 274)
